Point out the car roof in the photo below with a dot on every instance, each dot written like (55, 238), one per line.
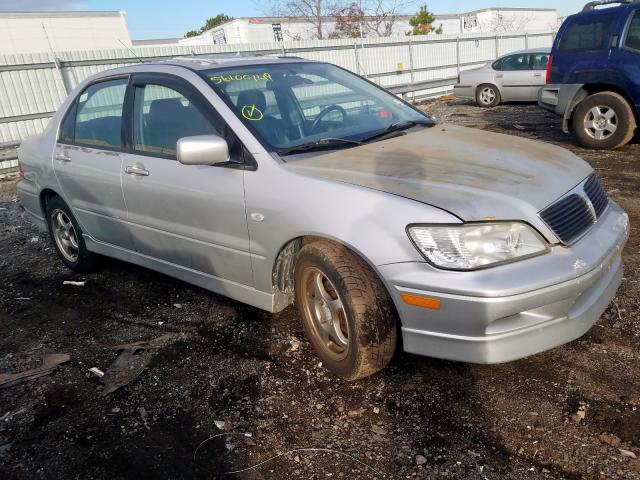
(530, 50)
(212, 61)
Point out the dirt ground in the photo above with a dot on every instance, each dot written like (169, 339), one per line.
(573, 412)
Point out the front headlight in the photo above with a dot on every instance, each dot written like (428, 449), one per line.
(474, 246)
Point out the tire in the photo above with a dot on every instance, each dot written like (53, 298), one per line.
(604, 121)
(488, 96)
(353, 304)
(66, 236)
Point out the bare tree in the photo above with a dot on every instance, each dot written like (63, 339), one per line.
(311, 11)
(501, 22)
(382, 15)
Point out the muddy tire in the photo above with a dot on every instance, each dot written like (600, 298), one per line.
(66, 236)
(604, 121)
(346, 311)
(488, 96)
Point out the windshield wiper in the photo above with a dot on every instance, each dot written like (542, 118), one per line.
(394, 129)
(319, 145)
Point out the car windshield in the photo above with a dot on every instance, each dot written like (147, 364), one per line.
(295, 106)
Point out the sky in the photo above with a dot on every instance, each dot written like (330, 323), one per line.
(171, 18)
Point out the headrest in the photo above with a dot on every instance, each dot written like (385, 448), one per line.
(252, 97)
(165, 107)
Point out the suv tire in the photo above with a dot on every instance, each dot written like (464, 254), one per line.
(67, 237)
(604, 121)
(488, 96)
(347, 313)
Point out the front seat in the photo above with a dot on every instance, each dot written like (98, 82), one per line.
(165, 124)
(269, 126)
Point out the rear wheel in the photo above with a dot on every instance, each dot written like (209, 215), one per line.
(488, 96)
(67, 236)
(604, 121)
(346, 311)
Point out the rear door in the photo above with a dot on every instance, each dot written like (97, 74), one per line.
(625, 60)
(515, 77)
(539, 62)
(188, 215)
(88, 158)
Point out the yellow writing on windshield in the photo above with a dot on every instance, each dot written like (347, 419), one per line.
(256, 77)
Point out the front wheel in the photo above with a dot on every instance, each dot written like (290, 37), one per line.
(346, 311)
(604, 121)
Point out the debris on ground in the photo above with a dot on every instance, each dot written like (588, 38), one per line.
(132, 361)
(97, 372)
(580, 413)
(50, 362)
(74, 283)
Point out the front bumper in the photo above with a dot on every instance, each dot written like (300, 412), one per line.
(516, 310)
(562, 100)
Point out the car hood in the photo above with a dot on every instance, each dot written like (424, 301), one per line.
(474, 174)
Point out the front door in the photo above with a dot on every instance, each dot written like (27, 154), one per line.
(88, 161)
(188, 215)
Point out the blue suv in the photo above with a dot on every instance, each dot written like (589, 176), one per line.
(593, 76)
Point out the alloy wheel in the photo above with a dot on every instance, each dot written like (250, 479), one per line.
(64, 235)
(487, 95)
(325, 314)
(601, 122)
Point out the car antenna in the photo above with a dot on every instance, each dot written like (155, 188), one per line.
(131, 51)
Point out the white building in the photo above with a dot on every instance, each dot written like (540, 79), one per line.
(269, 29)
(26, 32)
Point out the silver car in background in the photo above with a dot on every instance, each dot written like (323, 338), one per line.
(516, 77)
(276, 181)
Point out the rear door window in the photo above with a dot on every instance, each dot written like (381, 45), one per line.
(540, 61)
(633, 34)
(98, 121)
(587, 34)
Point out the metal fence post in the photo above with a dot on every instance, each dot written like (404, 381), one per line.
(284, 51)
(411, 69)
(365, 68)
(497, 46)
(458, 54)
(63, 77)
(526, 40)
(355, 54)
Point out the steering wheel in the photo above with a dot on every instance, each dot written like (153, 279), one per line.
(324, 113)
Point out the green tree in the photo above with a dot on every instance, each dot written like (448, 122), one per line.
(422, 22)
(209, 24)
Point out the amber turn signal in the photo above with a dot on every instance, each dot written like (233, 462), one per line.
(423, 302)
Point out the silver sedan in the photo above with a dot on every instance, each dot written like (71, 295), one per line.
(517, 76)
(280, 181)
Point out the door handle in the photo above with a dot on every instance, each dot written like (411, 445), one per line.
(137, 170)
(63, 158)
(537, 75)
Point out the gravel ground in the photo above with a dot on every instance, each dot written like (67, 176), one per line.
(573, 412)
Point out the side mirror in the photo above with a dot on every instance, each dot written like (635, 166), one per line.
(202, 150)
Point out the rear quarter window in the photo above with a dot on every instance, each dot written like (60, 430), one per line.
(633, 34)
(587, 34)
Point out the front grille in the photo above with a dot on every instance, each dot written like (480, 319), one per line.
(596, 194)
(571, 216)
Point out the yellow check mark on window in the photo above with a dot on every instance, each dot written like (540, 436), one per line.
(251, 112)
